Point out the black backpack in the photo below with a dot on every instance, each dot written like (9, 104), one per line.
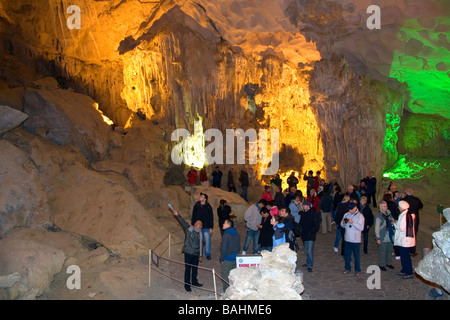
(297, 229)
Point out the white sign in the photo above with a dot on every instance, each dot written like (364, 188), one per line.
(248, 261)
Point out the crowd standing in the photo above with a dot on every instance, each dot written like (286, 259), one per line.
(287, 217)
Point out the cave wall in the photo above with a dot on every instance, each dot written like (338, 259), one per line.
(424, 135)
(277, 64)
(172, 69)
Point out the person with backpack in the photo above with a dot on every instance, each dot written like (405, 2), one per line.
(279, 233)
(309, 225)
(290, 225)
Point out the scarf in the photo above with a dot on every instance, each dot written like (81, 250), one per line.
(409, 225)
(388, 224)
(191, 228)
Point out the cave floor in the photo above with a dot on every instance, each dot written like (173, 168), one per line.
(128, 279)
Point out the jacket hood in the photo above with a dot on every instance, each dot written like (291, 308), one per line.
(231, 231)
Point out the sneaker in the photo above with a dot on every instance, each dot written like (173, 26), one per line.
(408, 276)
(187, 288)
(383, 268)
(244, 253)
(390, 266)
(309, 269)
(336, 249)
(436, 293)
(397, 258)
(209, 257)
(357, 274)
(345, 271)
(401, 274)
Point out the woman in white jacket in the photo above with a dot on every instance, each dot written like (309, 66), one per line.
(405, 238)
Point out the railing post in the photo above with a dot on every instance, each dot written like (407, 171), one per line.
(149, 266)
(214, 281)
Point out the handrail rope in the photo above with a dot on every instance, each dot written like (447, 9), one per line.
(169, 276)
(174, 244)
(192, 265)
(161, 241)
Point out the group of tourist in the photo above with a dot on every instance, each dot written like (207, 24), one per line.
(287, 216)
(194, 178)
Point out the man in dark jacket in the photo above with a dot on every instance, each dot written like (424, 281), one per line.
(309, 224)
(193, 247)
(203, 211)
(292, 180)
(223, 213)
(368, 221)
(341, 209)
(290, 196)
(231, 244)
(371, 183)
(230, 182)
(217, 178)
(280, 200)
(326, 207)
(244, 181)
(309, 181)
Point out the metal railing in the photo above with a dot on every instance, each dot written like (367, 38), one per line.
(154, 264)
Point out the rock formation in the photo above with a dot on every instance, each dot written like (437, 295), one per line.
(435, 266)
(274, 279)
(10, 118)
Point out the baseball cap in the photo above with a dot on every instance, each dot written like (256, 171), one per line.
(351, 205)
(307, 203)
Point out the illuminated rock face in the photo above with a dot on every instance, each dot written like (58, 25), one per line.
(246, 64)
(423, 135)
(173, 74)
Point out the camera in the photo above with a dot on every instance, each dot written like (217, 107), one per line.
(345, 220)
